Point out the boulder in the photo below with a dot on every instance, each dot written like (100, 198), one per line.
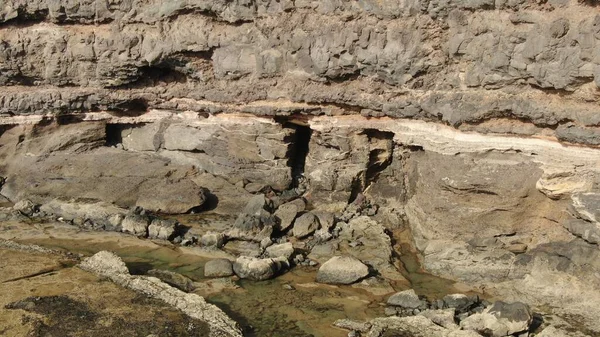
(342, 270)
(218, 268)
(305, 225)
(406, 299)
(211, 239)
(500, 319)
(163, 229)
(286, 214)
(259, 269)
(174, 279)
(461, 302)
(255, 205)
(284, 249)
(136, 224)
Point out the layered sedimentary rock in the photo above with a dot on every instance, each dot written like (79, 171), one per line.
(473, 123)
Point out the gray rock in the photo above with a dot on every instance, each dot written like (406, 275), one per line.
(163, 229)
(460, 302)
(406, 299)
(136, 224)
(500, 319)
(210, 239)
(26, 207)
(218, 268)
(176, 280)
(443, 317)
(305, 225)
(256, 205)
(259, 269)
(342, 270)
(284, 249)
(286, 214)
(326, 219)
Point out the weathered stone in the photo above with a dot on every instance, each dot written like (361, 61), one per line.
(163, 229)
(500, 319)
(136, 224)
(286, 213)
(26, 207)
(305, 225)
(218, 268)
(259, 269)
(406, 299)
(284, 249)
(212, 240)
(342, 270)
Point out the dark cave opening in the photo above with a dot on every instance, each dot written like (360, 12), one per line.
(113, 134)
(299, 151)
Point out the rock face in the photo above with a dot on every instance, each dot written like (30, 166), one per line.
(109, 265)
(342, 270)
(472, 123)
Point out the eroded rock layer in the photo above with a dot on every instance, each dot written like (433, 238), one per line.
(473, 123)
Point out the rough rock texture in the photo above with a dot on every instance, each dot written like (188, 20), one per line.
(109, 265)
(218, 268)
(472, 123)
(406, 299)
(342, 270)
(259, 269)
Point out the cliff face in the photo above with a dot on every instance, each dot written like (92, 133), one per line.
(473, 123)
(470, 64)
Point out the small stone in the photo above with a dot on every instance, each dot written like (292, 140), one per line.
(218, 268)
(212, 240)
(322, 235)
(266, 242)
(162, 229)
(288, 287)
(312, 263)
